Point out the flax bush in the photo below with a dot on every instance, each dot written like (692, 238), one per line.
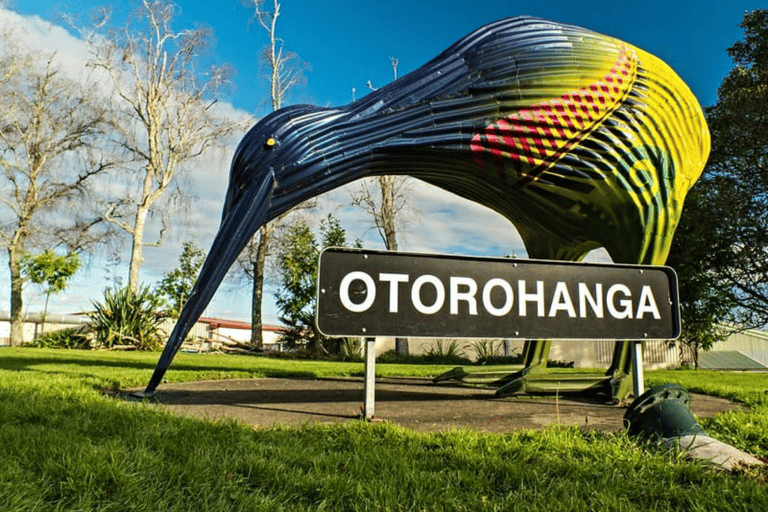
(128, 317)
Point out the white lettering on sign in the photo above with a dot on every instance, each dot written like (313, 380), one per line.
(524, 298)
(561, 301)
(647, 304)
(439, 294)
(625, 304)
(595, 301)
(370, 294)
(394, 281)
(468, 294)
(508, 295)
(462, 296)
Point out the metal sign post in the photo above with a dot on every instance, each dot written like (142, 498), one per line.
(638, 386)
(370, 378)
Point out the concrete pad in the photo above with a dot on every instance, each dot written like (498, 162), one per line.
(411, 402)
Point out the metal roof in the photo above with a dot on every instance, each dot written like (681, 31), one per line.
(728, 360)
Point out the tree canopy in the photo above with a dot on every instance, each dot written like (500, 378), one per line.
(177, 284)
(720, 250)
(297, 266)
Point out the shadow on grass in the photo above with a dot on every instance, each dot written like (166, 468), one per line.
(17, 363)
(28, 363)
(298, 391)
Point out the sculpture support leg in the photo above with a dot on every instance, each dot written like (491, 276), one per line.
(535, 377)
(536, 353)
(620, 372)
(617, 382)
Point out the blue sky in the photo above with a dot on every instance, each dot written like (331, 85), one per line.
(346, 44)
(349, 42)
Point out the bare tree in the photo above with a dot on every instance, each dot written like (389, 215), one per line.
(164, 113)
(49, 127)
(385, 207)
(286, 70)
(385, 200)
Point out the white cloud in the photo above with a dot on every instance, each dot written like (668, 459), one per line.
(33, 34)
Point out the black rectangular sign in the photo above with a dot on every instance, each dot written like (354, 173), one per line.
(379, 293)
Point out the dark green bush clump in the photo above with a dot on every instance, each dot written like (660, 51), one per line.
(73, 338)
(429, 358)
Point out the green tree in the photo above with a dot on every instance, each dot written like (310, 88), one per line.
(297, 268)
(296, 298)
(177, 284)
(738, 171)
(700, 245)
(720, 250)
(51, 271)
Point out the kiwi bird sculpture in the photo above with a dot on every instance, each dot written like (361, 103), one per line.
(580, 140)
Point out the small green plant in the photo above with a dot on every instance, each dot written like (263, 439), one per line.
(446, 348)
(392, 357)
(486, 349)
(73, 337)
(351, 349)
(128, 318)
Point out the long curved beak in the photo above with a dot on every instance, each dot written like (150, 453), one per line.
(237, 227)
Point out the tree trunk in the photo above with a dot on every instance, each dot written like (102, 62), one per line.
(137, 247)
(45, 312)
(257, 338)
(17, 301)
(387, 186)
(401, 347)
(262, 249)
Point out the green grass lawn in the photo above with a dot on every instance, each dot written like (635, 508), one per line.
(121, 370)
(67, 446)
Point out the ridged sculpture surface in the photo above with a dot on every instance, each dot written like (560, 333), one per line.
(579, 139)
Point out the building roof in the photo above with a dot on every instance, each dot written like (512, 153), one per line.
(728, 360)
(234, 324)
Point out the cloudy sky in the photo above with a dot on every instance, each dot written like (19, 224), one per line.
(347, 43)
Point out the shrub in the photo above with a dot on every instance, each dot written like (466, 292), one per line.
(391, 356)
(73, 337)
(446, 349)
(127, 318)
(351, 349)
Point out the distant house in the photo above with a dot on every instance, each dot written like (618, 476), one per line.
(745, 350)
(217, 331)
(210, 331)
(33, 324)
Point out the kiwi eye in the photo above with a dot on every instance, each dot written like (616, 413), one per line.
(270, 143)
